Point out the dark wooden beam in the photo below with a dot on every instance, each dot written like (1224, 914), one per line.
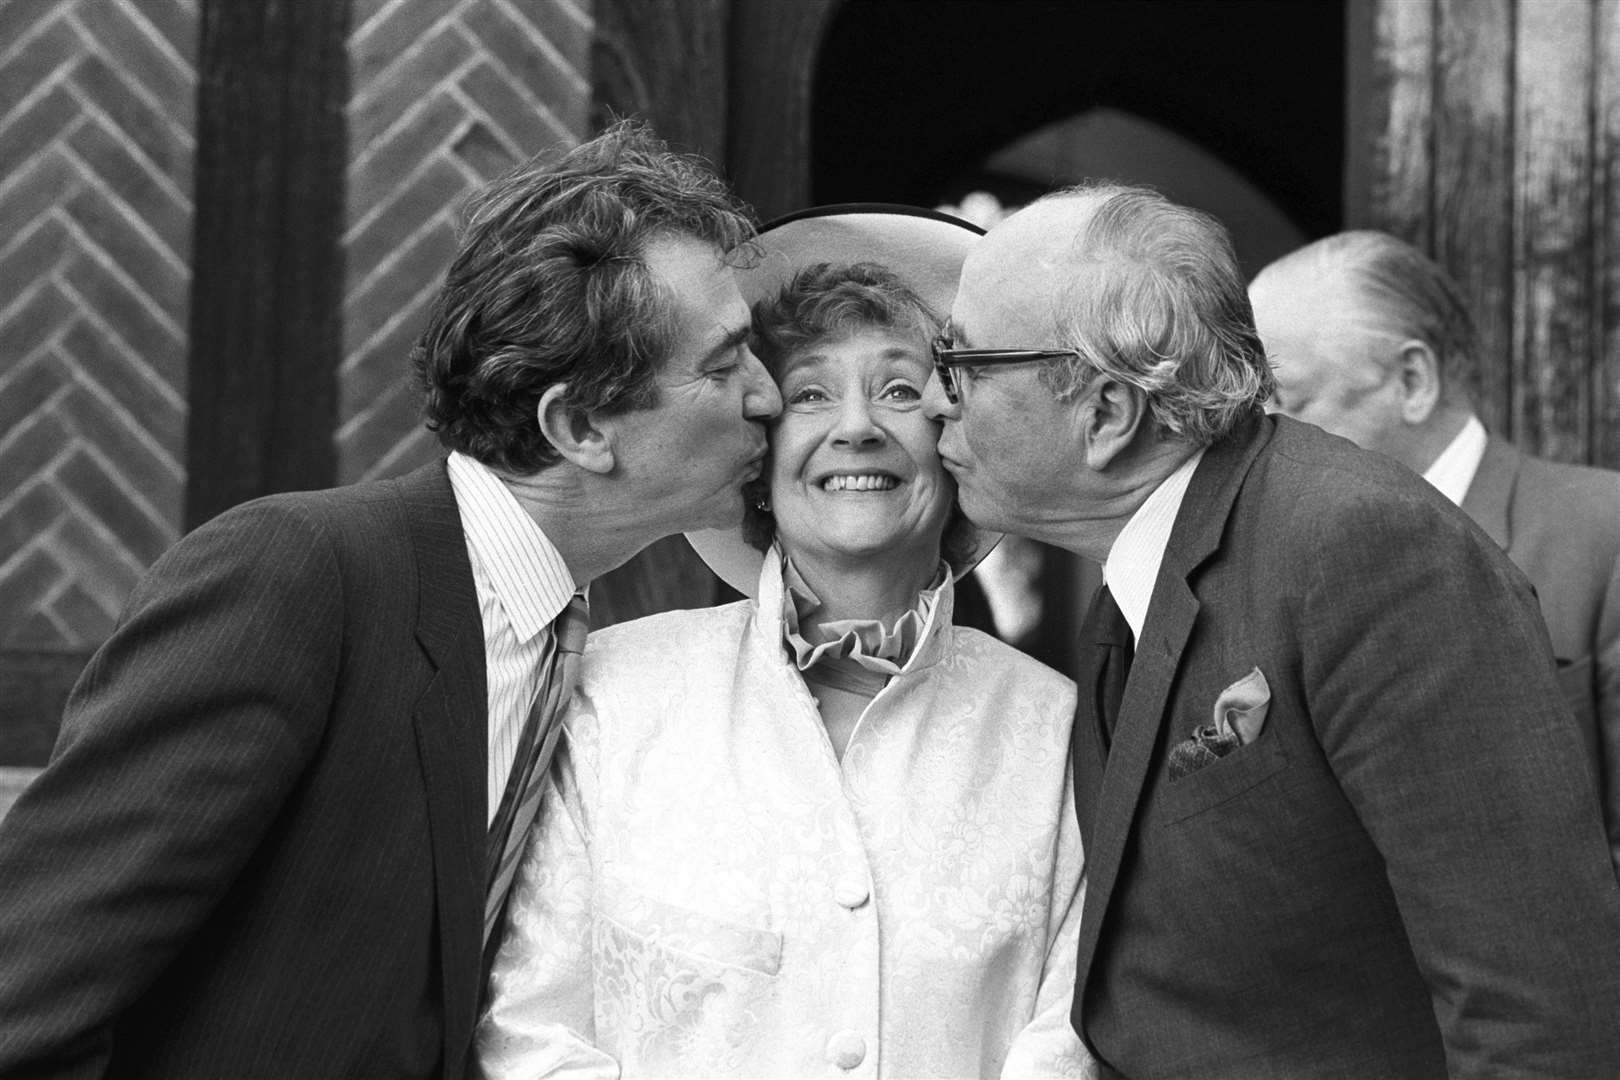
(665, 63)
(774, 46)
(267, 265)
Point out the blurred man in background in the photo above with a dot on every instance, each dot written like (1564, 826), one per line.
(1371, 341)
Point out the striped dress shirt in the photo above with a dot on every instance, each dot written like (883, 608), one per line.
(522, 584)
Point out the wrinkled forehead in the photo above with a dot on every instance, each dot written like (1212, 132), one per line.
(1016, 275)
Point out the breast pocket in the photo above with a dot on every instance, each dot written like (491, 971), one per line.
(1221, 781)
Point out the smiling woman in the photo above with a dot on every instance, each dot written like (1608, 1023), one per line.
(855, 478)
(772, 850)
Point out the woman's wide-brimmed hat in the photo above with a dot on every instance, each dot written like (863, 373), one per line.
(924, 248)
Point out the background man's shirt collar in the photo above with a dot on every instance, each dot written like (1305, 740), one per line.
(1454, 469)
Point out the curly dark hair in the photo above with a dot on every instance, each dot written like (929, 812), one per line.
(829, 300)
(550, 285)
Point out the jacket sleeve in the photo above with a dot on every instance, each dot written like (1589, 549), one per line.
(541, 1018)
(178, 746)
(1431, 685)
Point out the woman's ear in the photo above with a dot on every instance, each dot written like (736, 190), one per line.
(573, 432)
(1112, 413)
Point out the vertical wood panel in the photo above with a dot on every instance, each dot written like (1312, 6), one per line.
(1390, 118)
(773, 60)
(1605, 379)
(666, 63)
(267, 281)
(1473, 182)
(1553, 170)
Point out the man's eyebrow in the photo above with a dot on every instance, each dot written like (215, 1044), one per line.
(727, 344)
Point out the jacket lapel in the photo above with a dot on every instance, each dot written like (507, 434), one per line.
(450, 719)
(1490, 493)
(1172, 612)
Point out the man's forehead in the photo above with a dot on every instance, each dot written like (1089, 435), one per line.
(1015, 275)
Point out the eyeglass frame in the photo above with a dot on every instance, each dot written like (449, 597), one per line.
(947, 359)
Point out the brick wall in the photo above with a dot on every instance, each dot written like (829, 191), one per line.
(445, 96)
(96, 108)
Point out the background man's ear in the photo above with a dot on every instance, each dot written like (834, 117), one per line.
(1112, 413)
(573, 431)
(1418, 369)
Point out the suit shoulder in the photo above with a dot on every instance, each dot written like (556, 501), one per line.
(1585, 490)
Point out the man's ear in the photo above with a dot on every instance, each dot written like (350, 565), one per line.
(1418, 369)
(1112, 413)
(573, 431)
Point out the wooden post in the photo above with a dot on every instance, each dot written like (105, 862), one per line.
(266, 285)
(1552, 217)
(773, 61)
(666, 63)
(1473, 182)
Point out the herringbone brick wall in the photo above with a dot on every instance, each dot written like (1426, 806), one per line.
(445, 95)
(96, 116)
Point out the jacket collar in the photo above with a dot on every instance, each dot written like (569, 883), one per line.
(1491, 492)
(931, 644)
(451, 724)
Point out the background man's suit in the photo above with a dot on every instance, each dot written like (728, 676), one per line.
(1414, 819)
(275, 812)
(1560, 524)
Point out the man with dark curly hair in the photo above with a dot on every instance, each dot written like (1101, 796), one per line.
(278, 828)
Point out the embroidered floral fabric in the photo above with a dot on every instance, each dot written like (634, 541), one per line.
(710, 892)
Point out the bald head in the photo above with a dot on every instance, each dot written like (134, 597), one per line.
(1370, 340)
(1148, 293)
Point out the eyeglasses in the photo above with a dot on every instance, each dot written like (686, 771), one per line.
(948, 359)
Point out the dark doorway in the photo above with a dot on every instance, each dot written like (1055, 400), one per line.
(912, 99)
(1236, 107)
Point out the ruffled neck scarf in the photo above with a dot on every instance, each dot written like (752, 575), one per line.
(855, 655)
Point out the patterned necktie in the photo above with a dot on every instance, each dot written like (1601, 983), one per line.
(521, 800)
(1110, 636)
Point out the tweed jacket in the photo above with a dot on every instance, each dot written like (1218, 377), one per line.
(1560, 524)
(257, 849)
(1404, 874)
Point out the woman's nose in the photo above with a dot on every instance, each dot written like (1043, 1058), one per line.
(855, 424)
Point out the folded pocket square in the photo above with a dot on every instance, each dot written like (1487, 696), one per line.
(1239, 716)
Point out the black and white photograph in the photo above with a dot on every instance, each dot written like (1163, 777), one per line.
(774, 539)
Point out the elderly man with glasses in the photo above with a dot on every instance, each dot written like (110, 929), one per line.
(1336, 816)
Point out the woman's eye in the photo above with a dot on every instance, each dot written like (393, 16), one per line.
(808, 395)
(901, 391)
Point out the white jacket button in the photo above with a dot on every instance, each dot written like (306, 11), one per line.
(851, 892)
(846, 1049)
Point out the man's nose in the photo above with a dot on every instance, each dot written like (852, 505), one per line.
(936, 406)
(761, 398)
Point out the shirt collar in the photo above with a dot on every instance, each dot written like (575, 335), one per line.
(1454, 469)
(524, 569)
(1133, 561)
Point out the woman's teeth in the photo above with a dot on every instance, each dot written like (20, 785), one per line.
(859, 483)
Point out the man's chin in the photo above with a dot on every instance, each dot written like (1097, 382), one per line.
(981, 513)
